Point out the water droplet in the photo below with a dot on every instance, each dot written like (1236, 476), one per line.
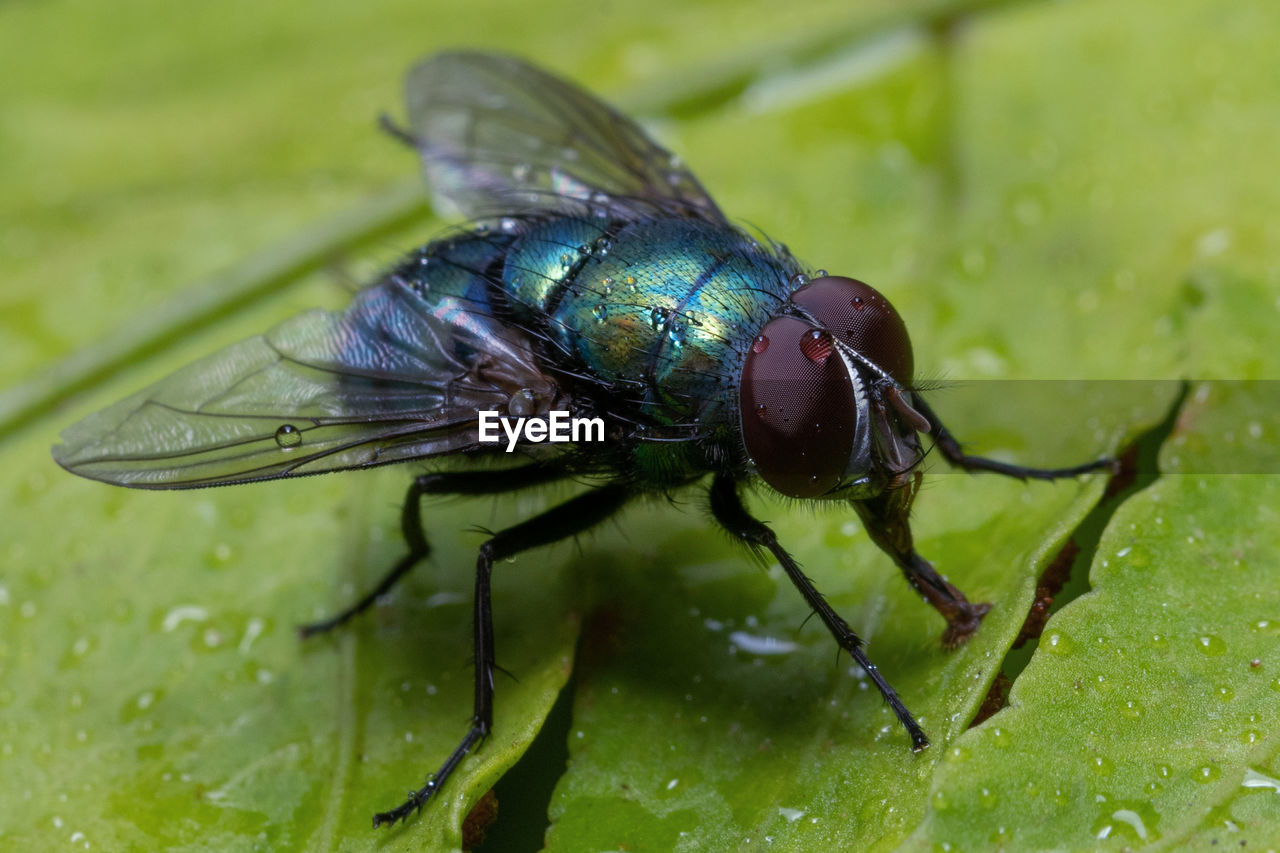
(762, 645)
(1206, 774)
(1211, 645)
(798, 280)
(1254, 779)
(761, 410)
(140, 704)
(858, 304)
(940, 801)
(819, 273)
(658, 316)
(1131, 710)
(987, 798)
(1060, 643)
(1249, 736)
(1223, 693)
(1102, 765)
(508, 224)
(522, 404)
(220, 556)
(976, 261)
(630, 282)
(606, 284)
(676, 332)
(603, 245)
(816, 346)
(600, 312)
(760, 344)
(288, 436)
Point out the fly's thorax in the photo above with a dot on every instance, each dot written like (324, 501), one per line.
(668, 310)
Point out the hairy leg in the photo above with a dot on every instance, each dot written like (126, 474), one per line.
(955, 454)
(444, 483)
(727, 506)
(886, 519)
(567, 519)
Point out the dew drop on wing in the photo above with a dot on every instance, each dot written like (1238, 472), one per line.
(522, 404)
(288, 436)
(600, 312)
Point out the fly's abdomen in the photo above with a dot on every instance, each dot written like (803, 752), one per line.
(549, 255)
(461, 267)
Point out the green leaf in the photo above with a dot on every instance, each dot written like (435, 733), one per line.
(1153, 694)
(1044, 191)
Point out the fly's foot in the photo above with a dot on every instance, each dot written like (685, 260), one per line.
(415, 801)
(962, 621)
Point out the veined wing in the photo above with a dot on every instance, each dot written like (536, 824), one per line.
(498, 135)
(392, 378)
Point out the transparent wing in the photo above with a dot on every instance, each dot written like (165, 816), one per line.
(392, 378)
(498, 135)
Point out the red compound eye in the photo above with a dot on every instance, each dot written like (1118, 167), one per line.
(859, 316)
(798, 409)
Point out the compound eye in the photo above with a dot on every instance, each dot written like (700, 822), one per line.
(859, 316)
(797, 408)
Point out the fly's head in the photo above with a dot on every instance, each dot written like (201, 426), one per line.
(824, 397)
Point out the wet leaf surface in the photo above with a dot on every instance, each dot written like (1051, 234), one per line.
(1045, 191)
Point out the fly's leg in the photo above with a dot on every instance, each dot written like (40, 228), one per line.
(405, 137)
(568, 519)
(728, 509)
(886, 519)
(955, 454)
(444, 483)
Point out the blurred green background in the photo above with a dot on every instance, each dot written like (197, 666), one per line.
(1045, 190)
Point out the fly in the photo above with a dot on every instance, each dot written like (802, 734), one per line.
(598, 281)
